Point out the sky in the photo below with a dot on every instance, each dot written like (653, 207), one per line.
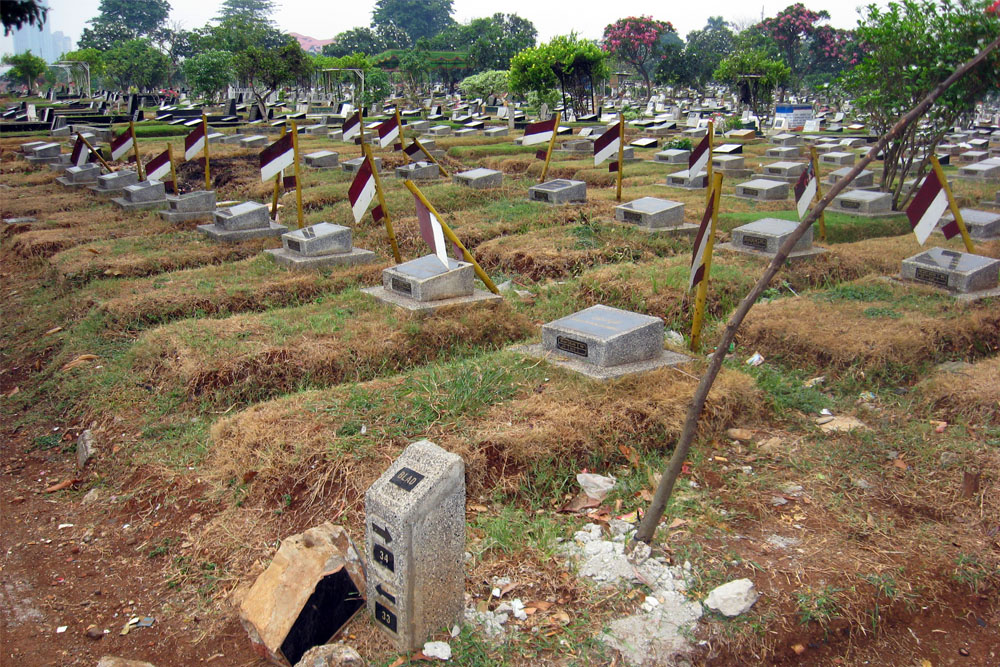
(323, 20)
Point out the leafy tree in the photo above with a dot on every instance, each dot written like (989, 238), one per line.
(755, 76)
(26, 67)
(484, 84)
(93, 58)
(236, 35)
(807, 47)
(246, 10)
(915, 44)
(417, 18)
(266, 70)
(209, 72)
(496, 39)
(415, 64)
(136, 63)
(17, 13)
(639, 41)
(566, 61)
(702, 53)
(393, 37)
(355, 40)
(123, 20)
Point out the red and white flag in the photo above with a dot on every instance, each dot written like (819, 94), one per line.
(431, 231)
(159, 167)
(194, 142)
(352, 126)
(415, 149)
(362, 190)
(607, 145)
(927, 207)
(276, 157)
(538, 133)
(122, 144)
(698, 160)
(700, 243)
(81, 154)
(805, 190)
(388, 131)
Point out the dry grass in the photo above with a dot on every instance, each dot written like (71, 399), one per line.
(972, 392)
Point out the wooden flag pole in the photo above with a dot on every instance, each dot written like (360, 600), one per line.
(361, 129)
(430, 157)
(548, 153)
(450, 235)
(298, 174)
(94, 152)
(709, 172)
(135, 149)
(621, 153)
(702, 296)
(819, 192)
(952, 205)
(277, 188)
(381, 202)
(204, 127)
(173, 170)
(402, 136)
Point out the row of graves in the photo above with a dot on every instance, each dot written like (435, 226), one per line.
(409, 573)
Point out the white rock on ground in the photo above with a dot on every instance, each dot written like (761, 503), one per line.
(733, 598)
(331, 655)
(439, 650)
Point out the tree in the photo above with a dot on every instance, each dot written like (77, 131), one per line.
(236, 35)
(417, 18)
(493, 41)
(415, 64)
(703, 52)
(755, 76)
(639, 41)
(123, 20)
(792, 31)
(136, 63)
(246, 10)
(267, 70)
(567, 61)
(393, 37)
(16, 13)
(355, 40)
(915, 44)
(93, 58)
(26, 67)
(209, 72)
(484, 84)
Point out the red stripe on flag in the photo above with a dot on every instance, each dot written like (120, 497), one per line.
(288, 182)
(538, 128)
(927, 193)
(540, 155)
(412, 149)
(951, 229)
(275, 150)
(613, 167)
(697, 152)
(197, 134)
(360, 181)
(397, 147)
(378, 213)
(699, 274)
(606, 139)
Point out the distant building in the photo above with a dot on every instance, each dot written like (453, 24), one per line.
(311, 44)
(42, 43)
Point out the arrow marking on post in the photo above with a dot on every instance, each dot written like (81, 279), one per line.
(382, 532)
(384, 594)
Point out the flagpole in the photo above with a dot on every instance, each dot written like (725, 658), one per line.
(429, 156)
(94, 152)
(450, 235)
(819, 192)
(702, 296)
(135, 149)
(173, 170)
(298, 175)
(381, 202)
(621, 153)
(402, 135)
(204, 128)
(708, 165)
(277, 187)
(361, 128)
(952, 205)
(548, 153)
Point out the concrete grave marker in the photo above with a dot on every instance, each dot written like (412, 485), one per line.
(115, 182)
(673, 156)
(679, 179)
(418, 171)
(76, 176)
(144, 195)
(424, 284)
(838, 158)
(559, 191)
(354, 164)
(654, 215)
(316, 246)
(248, 220)
(863, 202)
(981, 225)
(322, 159)
(785, 171)
(190, 206)
(479, 179)
(764, 237)
(763, 189)
(954, 271)
(783, 152)
(864, 179)
(415, 544)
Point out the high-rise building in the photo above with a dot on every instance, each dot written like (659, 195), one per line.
(42, 42)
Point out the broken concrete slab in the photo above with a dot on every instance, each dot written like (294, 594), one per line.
(732, 598)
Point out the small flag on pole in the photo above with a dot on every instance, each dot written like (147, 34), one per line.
(805, 190)
(158, 167)
(538, 133)
(81, 154)
(352, 126)
(194, 142)
(431, 231)
(388, 131)
(606, 146)
(278, 156)
(927, 208)
(288, 182)
(122, 144)
(700, 243)
(700, 155)
(416, 149)
(362, 190)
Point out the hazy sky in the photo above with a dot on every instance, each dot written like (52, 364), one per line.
(323, 20)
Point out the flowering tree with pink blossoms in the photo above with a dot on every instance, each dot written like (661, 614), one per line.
(639, 41)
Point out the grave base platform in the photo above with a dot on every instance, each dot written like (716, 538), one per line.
(683, 229)
(665, 358)
(105, 192)
(236, 235)
(69, 183)
(776, 177)
(185, 216)
(794, 256)
(406, 303)
(731, 174)
(292, 260)
(967, 297)
(141, 205)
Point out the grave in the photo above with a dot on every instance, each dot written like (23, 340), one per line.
(318, 246)
(695, 132)
(602, 342)
(479, 179)
(559, 191)
(673, 156)
(253, 141)
(655, 215)
(74, 177)
(440, 130)
(969, 157)
(981, 225)
(786, 139)
(578, 146)
(731, 165)
(335, 135)
(424, 284)
(984, 171)
(415, 545)
(762, 189)
(216, 138)
(144, 195)
(322, 159)
(418, 171)
(679, 179)
(864, 179)
(958, 272)
(838, 158)
(783, 152)
(190, 206)
(728, 149)
(864, 203)
(742, 135)
(115, 182)
(784, 171)
(823, 149)
(763, 237)
(354, 164)
(248, 220)
(28, 148)
(496, 132)
(45, 153)
(644, 142)
(418, 125)
(853, 142)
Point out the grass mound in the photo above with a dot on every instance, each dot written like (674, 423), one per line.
(972, 392)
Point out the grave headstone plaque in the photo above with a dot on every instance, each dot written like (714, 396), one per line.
(78, 176)
(479, 179)
(559, 191)
(316, 246)
(144, 195)
(418, 171)
(864, 179)
(115, 182)
(322, 159)
(190, 206)
(605, 336)
(763, 189)
(863, 203)
(783, 152)
(354, 164)
(767, 235)
(415, 544)
(673, 156)
(839, 158)
(653, 214)
(952, 270)
(426, 279)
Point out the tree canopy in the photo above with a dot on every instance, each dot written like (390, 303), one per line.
(26, 67)
(136, 63)
(571, 63)
(755, 75)
(417, 18)
(123, 20)
(639, 41)
(17, 13)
